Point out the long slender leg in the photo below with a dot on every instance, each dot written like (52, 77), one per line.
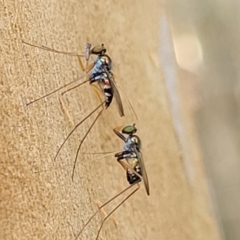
(56, 90)
(103, 155)
(103, 205)
(92, 159)
(86, 69)
(119, 135)
(93, 123)
(74, 87)
(84, 137)
(124, 200)
(86, 55)
(52, 50)
(126, 166)
(77, 127)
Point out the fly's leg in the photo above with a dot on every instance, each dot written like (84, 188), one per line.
(99, 204)
(128, 167)
(120, 204)
(76, 126)
(106, 203)
(85, 69)
(83, 139)
(79, 56)
(120, 135)
(90, 128)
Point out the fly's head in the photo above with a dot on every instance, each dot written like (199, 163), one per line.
(98, 50)
(129, 130)
(133, 139)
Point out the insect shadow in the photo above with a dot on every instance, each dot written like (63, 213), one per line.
(131, 160)
(99, 72)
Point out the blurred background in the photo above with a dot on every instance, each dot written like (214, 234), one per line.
(200, 59)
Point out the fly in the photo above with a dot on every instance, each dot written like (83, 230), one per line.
(132, 161)
(100, 72)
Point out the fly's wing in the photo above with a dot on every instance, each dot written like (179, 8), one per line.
(143, 169)
(116, 95)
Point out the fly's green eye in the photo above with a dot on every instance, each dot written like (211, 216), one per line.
(129, 129)
(98, 49)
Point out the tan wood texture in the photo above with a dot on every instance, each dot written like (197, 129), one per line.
(38, 198)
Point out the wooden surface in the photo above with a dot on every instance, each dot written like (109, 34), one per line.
(38, 198)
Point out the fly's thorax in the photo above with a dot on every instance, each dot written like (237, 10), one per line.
(98, 66)
(107, 61)
(103, 62)
(135, 139)
(132, 140)
(128, 144)
(101, 69)
(98, 76)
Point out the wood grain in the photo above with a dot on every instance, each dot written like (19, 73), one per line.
(38, 198)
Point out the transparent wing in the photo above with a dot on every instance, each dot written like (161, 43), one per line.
(143, 169)
(129, 103)
(117, 96)
(126, 99)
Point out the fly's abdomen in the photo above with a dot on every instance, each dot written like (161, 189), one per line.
(108, 92)
(132, 177)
